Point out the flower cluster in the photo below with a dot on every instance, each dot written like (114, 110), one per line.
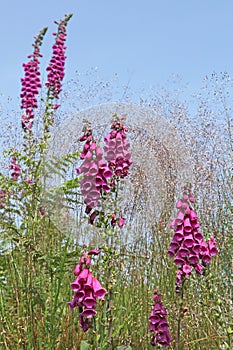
(95, 173)
(116, 149)
(31, 83)
(57, 63)
(158, 323)
(188, 248)
(101, 170)
(15, 169)
(87, 289)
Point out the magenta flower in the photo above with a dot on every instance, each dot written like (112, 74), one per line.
(116, 149)
(15, 169)
(95, 173)
(158, 323)
(31, 83)
(87, 289)
(188, 248)
(121, 221)
(56, 68)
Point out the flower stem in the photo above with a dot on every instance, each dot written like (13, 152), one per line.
(181, 300)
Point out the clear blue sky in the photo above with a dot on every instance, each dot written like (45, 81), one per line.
(145, 41)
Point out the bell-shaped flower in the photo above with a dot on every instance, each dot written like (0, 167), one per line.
(198, 268)
(78, 269)
(193, 259)
(183, 252)
(88, 313)
(213, 250)
(186, 268)
(206, 258)
(188, 241)
(76, 285)
(99, 291)
(198, 236)
(179, 261)
(89, 301)
(187, 224)
(180, 217)
(83, 275)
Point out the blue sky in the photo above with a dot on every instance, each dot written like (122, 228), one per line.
(143, 41)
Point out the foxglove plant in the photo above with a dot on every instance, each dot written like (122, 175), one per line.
(102, 171)
(15, 169)
(158, 323)
(117, 146)
(95, 173)
(31, 83)
(188, 247)
(87, 290)
(57, 63)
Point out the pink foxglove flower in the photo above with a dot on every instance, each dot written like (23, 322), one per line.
(56, 68)
(87, 289)
(96, 174)
(188, 247)
(15, 169)
(117, 149)
(31, 83)
(158, 323)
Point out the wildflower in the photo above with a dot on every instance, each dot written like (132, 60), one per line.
(188, 247)
(57, 63)
(121, 221)
(31, 83)
(95, 174)
(158, 323)
(117, 149)
(15, 169)
(87, 290)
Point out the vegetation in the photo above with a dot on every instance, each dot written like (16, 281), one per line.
(49, 220)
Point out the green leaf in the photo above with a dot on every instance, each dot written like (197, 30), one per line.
(84, 345)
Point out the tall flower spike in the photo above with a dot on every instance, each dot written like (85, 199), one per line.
(87, 290)
(158, 323)
(117, 148)
(31, 83)
(95, 173)
(57, 63)
(188, 247)
(15, 169)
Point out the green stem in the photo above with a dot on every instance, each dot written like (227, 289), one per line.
(181, 300)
